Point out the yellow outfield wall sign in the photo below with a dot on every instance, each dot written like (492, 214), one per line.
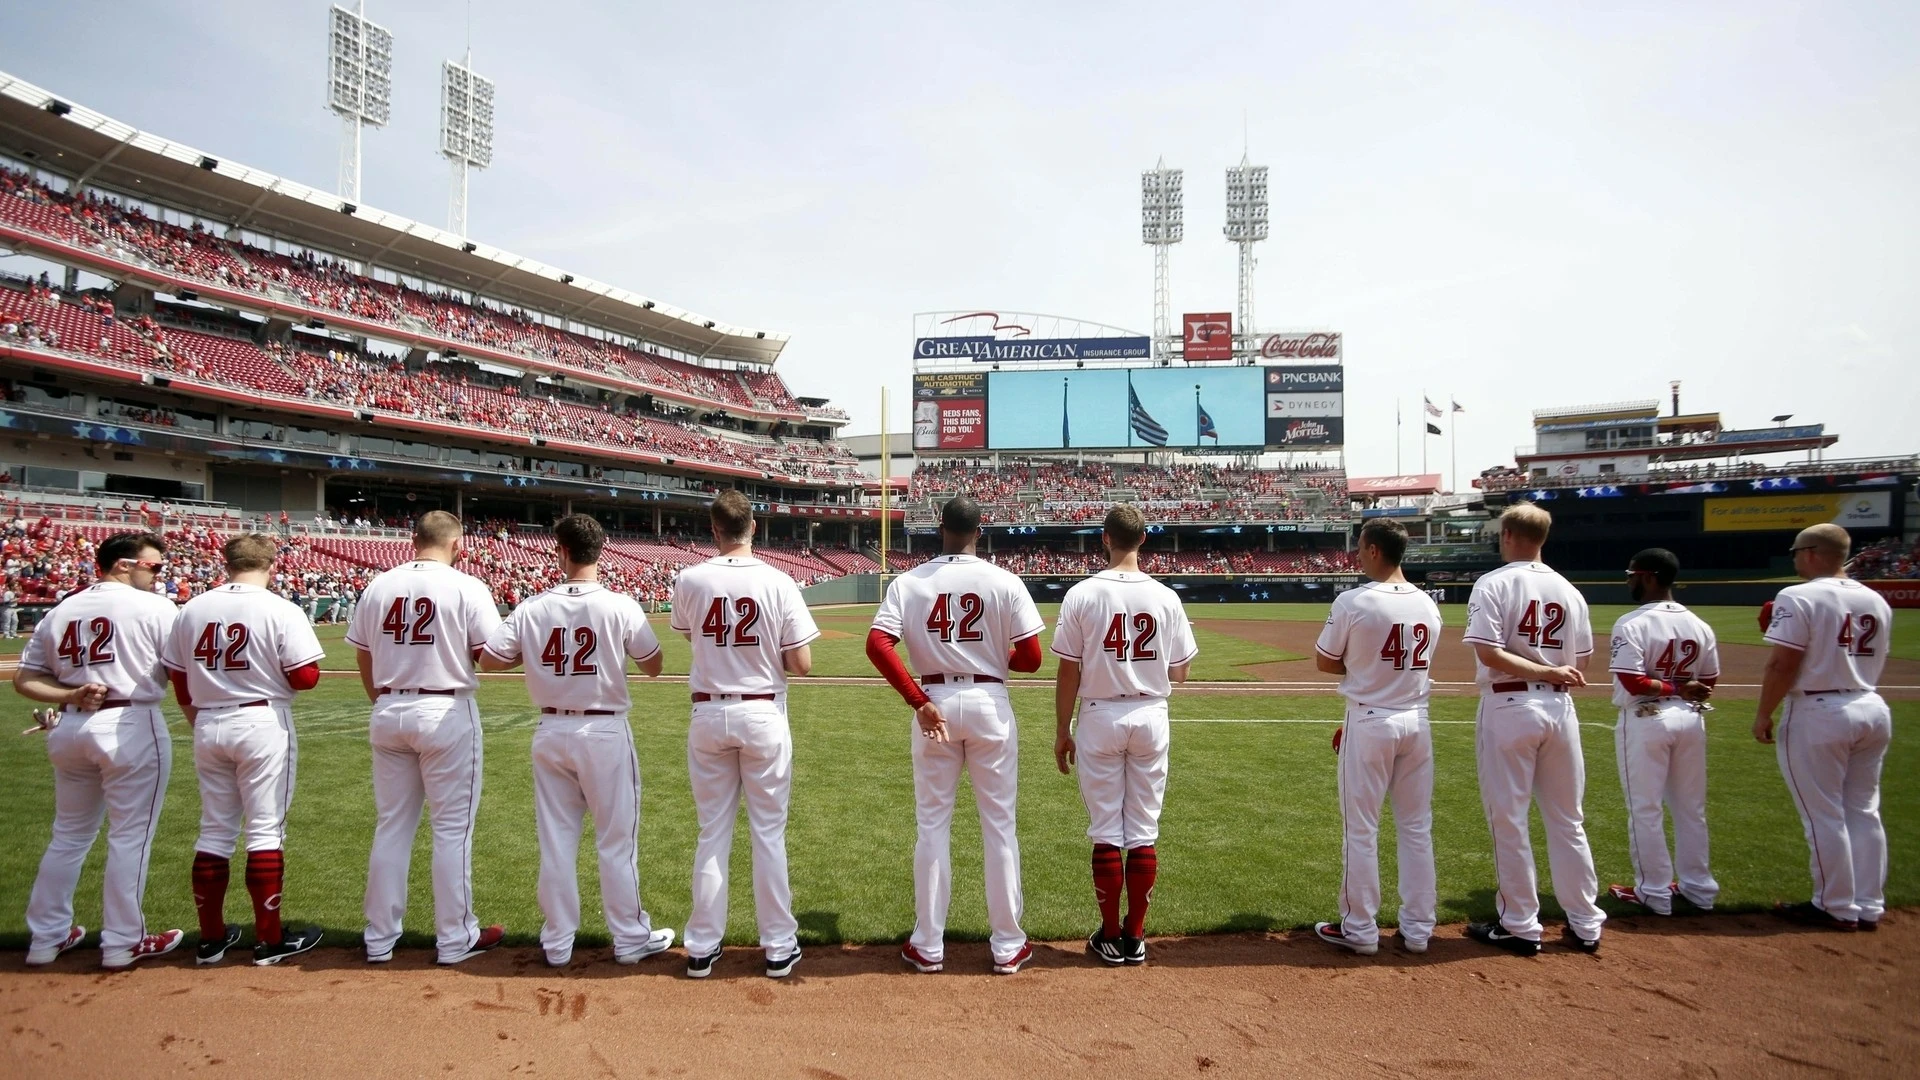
(1790, 513)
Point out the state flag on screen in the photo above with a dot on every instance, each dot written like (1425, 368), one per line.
(1145, 427)
(1206, 428)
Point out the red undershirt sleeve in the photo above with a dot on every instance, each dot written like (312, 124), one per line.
(180, 688)
(885, 660)
(1640, 685)
(1026, 655)
(304, 677)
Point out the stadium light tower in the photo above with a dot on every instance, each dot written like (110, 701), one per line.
(1246, 226)
(466, 131)
(1162, 225)
(359, 85)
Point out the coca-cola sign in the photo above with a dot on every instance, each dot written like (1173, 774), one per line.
(1300, 346)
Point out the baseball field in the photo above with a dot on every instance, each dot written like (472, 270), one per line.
(1250, 843)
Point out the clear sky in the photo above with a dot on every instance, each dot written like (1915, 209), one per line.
(1518, 205)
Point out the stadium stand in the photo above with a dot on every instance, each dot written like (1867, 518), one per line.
(1022, 491)
(325, 285)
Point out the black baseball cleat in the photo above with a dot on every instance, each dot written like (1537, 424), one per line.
(214, 950)
(699, 967)
(1492, 933)
(1134, 949)
(292, 943)
(1585, 945)
(1806, 914)
(1105, 949)
(783, 967)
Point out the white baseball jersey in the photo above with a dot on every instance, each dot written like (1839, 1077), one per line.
(109, 633)
(1125, 630)
(1843, 627)
(1386, 634)
(236, 643)
(1532, 612)
(576, 638)
(421, 621)
(742, 615)
(1665, 641)
(959, 615)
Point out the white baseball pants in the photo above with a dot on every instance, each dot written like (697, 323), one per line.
(113, 764)
(737, 748)
(1663, 764)
(1831, 747)
(245, 761)
(426, 750)
(982, 740)
(1386, 752)
(582, 765)
(1120, 753)
(1528, 750)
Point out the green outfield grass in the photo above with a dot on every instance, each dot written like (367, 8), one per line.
(1251, 832)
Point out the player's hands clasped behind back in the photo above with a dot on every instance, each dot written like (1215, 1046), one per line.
(88, 697)
(1567, 675)
(1695, 691)
(933, 724)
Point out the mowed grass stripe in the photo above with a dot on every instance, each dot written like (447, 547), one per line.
(1251, 835)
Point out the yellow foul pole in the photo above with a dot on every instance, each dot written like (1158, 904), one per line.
(886, 484)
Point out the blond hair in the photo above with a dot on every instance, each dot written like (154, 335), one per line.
(1527, 522)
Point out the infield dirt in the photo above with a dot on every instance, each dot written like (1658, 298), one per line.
(1703, 996)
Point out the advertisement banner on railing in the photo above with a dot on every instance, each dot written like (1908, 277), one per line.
(1790, 513)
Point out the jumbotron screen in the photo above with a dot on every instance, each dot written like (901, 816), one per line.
(1291, 407)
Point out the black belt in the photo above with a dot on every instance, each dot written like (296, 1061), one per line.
(385, 690)
(580, 712)
(938, 679)
(1813, 693)
(262, 703)
(1524, 687)
(699, 697)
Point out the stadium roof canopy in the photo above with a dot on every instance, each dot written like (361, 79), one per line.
(92, 149)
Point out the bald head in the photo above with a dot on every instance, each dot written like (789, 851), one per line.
(1821, 551)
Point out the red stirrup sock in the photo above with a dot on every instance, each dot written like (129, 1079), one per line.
(1109, 880)
(1142, 867)
(264, 872)
(210, 895)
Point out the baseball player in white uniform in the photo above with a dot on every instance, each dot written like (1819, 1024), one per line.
(576, 639)
(750, 629)
(966, 622)
(1123, 640)
(1531, 641)
(237, 654)
(1664, 662)
(97, 656)
(1830, 637)
(416, 632)
(1381, 638)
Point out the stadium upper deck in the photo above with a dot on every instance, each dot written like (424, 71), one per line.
(261, 243)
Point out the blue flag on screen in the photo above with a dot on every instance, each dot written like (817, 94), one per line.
(1206, 428)
(1144, 425)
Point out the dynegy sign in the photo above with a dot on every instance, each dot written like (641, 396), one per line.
(986, 349)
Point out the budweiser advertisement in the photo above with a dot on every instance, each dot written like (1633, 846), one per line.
(1410, 484)
(1208, 337)
(1297, 345)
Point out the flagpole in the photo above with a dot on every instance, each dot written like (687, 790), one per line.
(1424, 424)
(1398, 438)
(1453, 453)
(1129, 408)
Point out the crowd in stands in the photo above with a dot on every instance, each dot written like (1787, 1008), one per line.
(458, 393)
(1042, 562)
(1888, 558)
(326, 284)
(1022, 491)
